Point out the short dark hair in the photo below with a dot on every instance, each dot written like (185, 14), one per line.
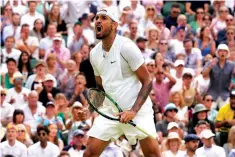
(187, 75)
(42, 128)
(8, 155)
(10, 60)
(64, 153)
(15, 113)
(31, 1)
(9, 38)
(187, 40)
(175, 6)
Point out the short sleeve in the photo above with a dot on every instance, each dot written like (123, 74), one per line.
(132, 55)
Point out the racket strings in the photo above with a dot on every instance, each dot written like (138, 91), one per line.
(96, 98)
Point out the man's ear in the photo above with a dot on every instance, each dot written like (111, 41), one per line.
(114, 25)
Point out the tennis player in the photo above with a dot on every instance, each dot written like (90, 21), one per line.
(120, 70)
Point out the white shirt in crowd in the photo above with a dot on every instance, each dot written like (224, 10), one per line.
(9, 31)
(176, 46)
(6, 110)
(170, 154)
(75, 153)
(20, 9)
(19, 97)
(31, 119)
(18, 150)
(29, 19)
(138, 12)
(15, 54)
(36, 150)
(112, 150)
(214, 151)
(47, 42)
(201, 83)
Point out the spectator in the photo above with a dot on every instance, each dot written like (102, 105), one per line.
(164, 31)
(12, 29)
(43, 147)
(141, 43)
(193, 56)
(191, 145)
(201, 125)
(125, 19)
(153, 35)
(212, 113)
(207, 19)
(6, 109)
(23, 136)
(85, 51)
(132, 33)
(138, 10)
(38, 30)
(173, 143)
(209, 149)
(170, 112)
(61, 105)
(171, 20)
(151, 67)
(55, 18)
(157, 109)
(230, 145)
(18, 118)
(205, 42)
(24, 66)
(32, 111)
(64, 154)
(12, 146)
(47, 92)
(28, 43)
(62, 53)
(18, 95)
(77, 58)
(76, 39)
(225, 119)
(51, 66)
(6, 18)
(177, 73)
(19, 8)
(9, 51)
(77, 148)
(230, 35)
(32, 15)
(53, 136)
(200, 113)
(198, 23)
(8, 77)
(191, 7)
(220, 84)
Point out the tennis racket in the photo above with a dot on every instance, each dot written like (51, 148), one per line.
(101, 102)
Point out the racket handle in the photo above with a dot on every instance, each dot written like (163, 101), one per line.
(142, 130)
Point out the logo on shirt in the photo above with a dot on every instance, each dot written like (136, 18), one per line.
(113, 62)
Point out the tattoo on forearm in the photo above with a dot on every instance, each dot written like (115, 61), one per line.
(142, 96)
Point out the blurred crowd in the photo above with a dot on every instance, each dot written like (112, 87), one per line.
(189, 51)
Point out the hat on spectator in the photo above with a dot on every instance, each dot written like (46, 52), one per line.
(110, 13)
(170, 106)
(83, 17)
(141, 39)
(191, 137)
(57, 37)
(200, 108)
(206, 134)
(50, 103)
(172, 125)
(17, 74)
(179, 62)
(222, 47)
(232, 94)
(3, 90)
(171, 136)
(40, 62)
(180, 28)
(78, 132)
(49, 77)
(77, 104)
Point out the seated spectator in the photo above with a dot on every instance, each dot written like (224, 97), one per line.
(230, 35)
(34, 82)
(173, 144)
(212, 113)
(61, 105)
(157, 109)
(77, 148)
(153, 35)
(9, 51)
(177, 73)
(51, 66)
(141, 43)
(230, 145)
(6, 18)
(53, 136)
(32, 15)
(198, 23)
(200, 113)
(24, 66)
(132, 33)
(77, 58)
(170, 112)
(201, 84)
(23, 136)
(209, 148)
(18, 118)
(6, 109)
(7, 79)
(201, 125)
(125, 18)
(11, 144)
(138, 10)
(43, 147)
(85, 51)
(18, 95)
(62, 53)
(47, 92)
(38, 30)
(64, 154)
(170, 20)
(28, 43)
(225, 119)
(151, 67)
(164, 31)
(191, 144)
(32, 111)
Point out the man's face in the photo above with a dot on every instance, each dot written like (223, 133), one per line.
(32, 6)
(16, 20)
(78, 30)
(192, 145)
(188, 46)
(11, 134)
(232, 102)
(50, 110)
(133, 29)
(18, 82)
(187, 81)
(171, 113)
(159, 23)
(179, 68)
(57, 44)
(51, 30)
(207, 142)
(141, 45)
(43, 137)
(222, 54)
(78, 140)
(200, 128)
(11, 67)
(229, 20)
(103, 26)
(85, 51)
(48, 85)
(25, 31)
(33, 99)
(181, 34)
(9, 43)
(175, 12)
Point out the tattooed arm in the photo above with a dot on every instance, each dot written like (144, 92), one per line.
(144, 77)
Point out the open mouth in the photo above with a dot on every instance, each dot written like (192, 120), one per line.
(98, 29)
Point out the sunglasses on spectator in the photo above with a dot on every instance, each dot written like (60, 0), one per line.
(3, 94)
(150, 9)
(42, 134)
(22, 131)
(18, 79)
(229, 20)
(209, 100)
(200, 12)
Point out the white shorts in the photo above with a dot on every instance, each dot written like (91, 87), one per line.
(105, 129)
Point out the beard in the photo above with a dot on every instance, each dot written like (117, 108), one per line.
(103, 33)
(232, 106)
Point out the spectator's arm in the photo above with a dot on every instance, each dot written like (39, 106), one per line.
(199, 67)
(213, 48)
(6, 121)
(69, 124)
(188, 8)
(196, 44)
(206, 71)
(171, 79)
(206, 7)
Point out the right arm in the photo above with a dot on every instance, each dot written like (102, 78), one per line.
(98, 81)
(188, 8)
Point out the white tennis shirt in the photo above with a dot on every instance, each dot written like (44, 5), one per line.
(117, 70)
